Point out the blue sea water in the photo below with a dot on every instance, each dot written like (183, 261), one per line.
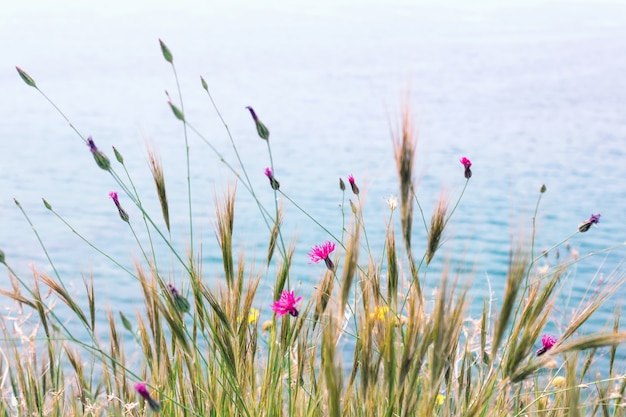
(532, 92)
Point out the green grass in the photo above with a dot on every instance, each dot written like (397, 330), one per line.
(202, 351)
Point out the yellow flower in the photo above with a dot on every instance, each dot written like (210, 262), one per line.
(558, 382)
(253, 317)
(379, 313)
(440, 399)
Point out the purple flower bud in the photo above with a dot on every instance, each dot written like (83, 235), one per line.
(261, 129)
(101, 159)
(123, 215)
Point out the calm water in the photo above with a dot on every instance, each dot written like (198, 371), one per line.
(532, 94)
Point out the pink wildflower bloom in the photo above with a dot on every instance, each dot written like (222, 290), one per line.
(113, 196)
(467, 164)
(273, 182)
(286, 304)
(353, 185)
(322, 253)
(142, 390)
(123, 214)
(547, 341)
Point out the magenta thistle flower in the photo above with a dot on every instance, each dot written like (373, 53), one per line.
(547, 341)
(467, 164)
(353, 185)
(124, 216)
(593, 219)
(273, 182)
(322, 253)
(286, 304)
(142, 390)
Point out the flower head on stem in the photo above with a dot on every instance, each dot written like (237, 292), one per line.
(273, 182)
(467, 164)
(355, 188)
(286, 304)
(322, 253)
(593, 219)
(123, 214)
(547, 341)
(143, 392)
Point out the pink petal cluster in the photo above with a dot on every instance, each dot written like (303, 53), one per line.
(322, 253)
(142, 390)
(547, 341)
(467, 164)
(286, 304)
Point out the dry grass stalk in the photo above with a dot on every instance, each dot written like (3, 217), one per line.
(437, 226)
(405, 144)
(156, 168)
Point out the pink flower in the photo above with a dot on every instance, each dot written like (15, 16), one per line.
(353, 185)
(123, 214)
(467, 164)
(142, 390)
(273, 182)
(286, 304)
(322, 252)
(547, 342)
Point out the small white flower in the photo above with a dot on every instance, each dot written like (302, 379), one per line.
(392, 202)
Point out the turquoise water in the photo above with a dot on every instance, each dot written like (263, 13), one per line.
(532, 93)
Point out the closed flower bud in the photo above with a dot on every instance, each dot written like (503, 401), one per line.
(123, 215)
(118, 156)
(101, 159)
(342, 185)
(46, 204)
(2, 257)
(261, 129)
(26, 78)
(542, 189)
(167, 54)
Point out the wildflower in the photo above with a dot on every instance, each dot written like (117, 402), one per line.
(253, 316)
(392, 202)
(440, 399)
(547, 342)
(558, 382)
(101, 159)
(180, 302)
(353, 185)
(322, 252)
(342, 185)
(379, 313)
(593, 219)
(286, 304)
(123, 214)
(273, 183)
(142, 390)
(467, 164)
(261, 129)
